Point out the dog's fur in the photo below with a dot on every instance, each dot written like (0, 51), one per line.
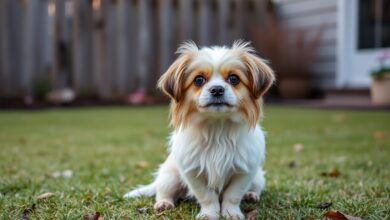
(217, 146)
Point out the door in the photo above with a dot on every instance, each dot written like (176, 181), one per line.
(363, 34)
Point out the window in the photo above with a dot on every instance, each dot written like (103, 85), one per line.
(373, 24)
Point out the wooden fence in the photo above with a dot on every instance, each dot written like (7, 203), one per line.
(107, 48)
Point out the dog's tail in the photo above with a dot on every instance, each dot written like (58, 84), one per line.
(147, 190)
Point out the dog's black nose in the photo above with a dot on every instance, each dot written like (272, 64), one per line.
(217, 91)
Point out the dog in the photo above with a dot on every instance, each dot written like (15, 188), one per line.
(217, 147)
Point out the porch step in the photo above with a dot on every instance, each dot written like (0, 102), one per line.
(348, 97)
(335, 98)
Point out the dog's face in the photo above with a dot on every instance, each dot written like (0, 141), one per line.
(216, 82)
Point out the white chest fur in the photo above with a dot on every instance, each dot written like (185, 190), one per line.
(217, 150)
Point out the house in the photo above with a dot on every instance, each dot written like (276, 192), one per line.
(356, 32)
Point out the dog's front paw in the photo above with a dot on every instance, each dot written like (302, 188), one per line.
(162, 205)
(251, 197)
(232, 212)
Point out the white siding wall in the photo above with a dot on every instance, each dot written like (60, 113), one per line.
(310, 15)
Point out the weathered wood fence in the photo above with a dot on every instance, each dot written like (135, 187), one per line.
(107, 48)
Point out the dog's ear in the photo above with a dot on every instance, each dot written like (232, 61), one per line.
(260, 74)
(172, 80)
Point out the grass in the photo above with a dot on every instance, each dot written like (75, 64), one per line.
(110, 150)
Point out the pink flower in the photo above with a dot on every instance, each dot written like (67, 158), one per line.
(138, 97)
(384, 56)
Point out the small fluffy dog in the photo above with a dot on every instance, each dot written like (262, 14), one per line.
(217, 146)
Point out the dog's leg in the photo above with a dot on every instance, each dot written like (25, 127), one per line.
(258, 185)
(206, 197)
(233, 194)
(168, 185)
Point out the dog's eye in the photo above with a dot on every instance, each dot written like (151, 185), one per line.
(233, 79)
(199, 80)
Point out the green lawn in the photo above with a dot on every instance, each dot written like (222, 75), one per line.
(110, 150)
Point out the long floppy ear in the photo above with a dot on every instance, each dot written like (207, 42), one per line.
(171, 81)
(261, 75)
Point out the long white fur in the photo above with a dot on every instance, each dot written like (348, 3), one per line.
(217, 157)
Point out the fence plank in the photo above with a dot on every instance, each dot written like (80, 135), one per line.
(100, 65)
(4, 44)
(122, 46)
(41, 43)
(29, 43)
(111, 31)
(144, 42)
(59, 73)
(204, 22)
(222, 27)
(81, 32)
(132, 48)
(15, 46)
(238, 21)
(165, 34)
(186, 24)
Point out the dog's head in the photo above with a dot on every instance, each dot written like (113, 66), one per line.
(216, 82)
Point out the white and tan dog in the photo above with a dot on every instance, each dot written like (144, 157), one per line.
(217, 146)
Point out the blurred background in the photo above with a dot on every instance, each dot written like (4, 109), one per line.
(113, 51)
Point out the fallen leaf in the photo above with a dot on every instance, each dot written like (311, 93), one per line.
(336, 215)
(324, 205)
(45, 195)
(379, 135)
(293, 164)
(251, 215)
(143, 164)
(334, 173)
(94, 216)
(298, 147)
(141, 210)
